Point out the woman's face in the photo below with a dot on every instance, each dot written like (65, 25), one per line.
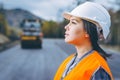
(75, 33)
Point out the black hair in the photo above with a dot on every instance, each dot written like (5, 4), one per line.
(91, 30)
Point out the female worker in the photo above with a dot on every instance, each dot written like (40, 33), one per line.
(88, 23)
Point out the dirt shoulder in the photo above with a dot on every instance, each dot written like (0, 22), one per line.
(5, 43)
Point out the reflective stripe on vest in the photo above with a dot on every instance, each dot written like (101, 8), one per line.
(84, 69)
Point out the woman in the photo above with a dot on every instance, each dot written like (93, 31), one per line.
(88, 23)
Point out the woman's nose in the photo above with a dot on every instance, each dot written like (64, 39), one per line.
(66, 27)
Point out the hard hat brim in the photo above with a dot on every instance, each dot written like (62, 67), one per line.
(68, 15)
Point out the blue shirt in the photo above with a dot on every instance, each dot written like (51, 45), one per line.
(100, 74)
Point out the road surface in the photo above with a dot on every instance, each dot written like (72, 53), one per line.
(41, 64)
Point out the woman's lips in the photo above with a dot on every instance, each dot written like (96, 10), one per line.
(66, 34)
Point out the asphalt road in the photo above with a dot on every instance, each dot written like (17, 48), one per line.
(41, 64)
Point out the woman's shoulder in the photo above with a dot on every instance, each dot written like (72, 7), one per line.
(97, 56)
(101, 74)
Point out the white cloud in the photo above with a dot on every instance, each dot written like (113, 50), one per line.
(47, 9)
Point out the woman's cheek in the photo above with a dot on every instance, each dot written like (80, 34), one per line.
(72, 36)
(77, 33)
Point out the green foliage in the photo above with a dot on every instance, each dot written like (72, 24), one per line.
(5, 29)
(52, 29)
(115, 28)
(3, 24)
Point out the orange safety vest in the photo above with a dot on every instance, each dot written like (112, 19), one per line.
(84, 69)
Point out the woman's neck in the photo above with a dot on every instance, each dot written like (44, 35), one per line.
(81, 50)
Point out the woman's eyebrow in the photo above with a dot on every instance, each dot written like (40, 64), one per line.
(76, 20)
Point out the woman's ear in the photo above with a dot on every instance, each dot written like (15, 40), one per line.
(86, 35)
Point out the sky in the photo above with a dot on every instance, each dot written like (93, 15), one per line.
(46, 9)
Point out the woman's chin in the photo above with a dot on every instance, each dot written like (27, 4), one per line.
(68, 40)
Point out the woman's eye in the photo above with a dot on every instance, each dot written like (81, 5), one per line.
(73, 22)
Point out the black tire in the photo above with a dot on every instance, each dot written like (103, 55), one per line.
(25, 44)
(22, 45)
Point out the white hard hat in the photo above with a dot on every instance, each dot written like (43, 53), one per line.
(94, 13)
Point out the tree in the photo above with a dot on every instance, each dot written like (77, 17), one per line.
(3, 23)
(115, 28)
(50, 29)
